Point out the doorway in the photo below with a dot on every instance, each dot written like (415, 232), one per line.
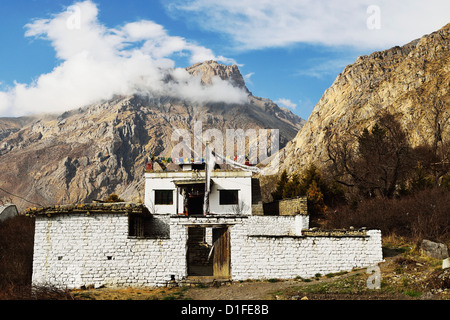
(195, 204)
(193, 198)
(208, 253)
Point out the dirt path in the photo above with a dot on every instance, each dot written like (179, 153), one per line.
(256, 290)
(403, 279)
(239, 291)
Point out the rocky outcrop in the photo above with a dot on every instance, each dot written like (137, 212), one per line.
(209, 69)
(412, 82)
(86, 154)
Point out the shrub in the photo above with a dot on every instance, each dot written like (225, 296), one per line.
(424, 214)
(114, 198)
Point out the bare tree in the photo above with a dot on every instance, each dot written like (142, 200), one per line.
(240, 208)
(375, 161)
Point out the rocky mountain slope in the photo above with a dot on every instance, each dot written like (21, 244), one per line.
(91, 152)
(412, 82)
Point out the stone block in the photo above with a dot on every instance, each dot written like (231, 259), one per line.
(434, 249)
(446, 263)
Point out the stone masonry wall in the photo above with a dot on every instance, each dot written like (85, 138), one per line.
(284, 257)
(80, 250)
(285, 207)
(293, 206)
(277, 225)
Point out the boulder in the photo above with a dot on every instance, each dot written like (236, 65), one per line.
(434, 249)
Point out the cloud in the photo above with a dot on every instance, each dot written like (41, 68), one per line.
(97, 63)
(247, 77)
(368, 24)
(286, 103)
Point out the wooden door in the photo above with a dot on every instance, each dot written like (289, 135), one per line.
(221, 262)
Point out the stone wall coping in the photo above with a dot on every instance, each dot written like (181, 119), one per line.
(351, 232)
(223, 220)
(310, 233)
(307, 236)
(90, 208)
(210, 216)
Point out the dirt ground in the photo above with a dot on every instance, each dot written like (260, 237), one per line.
(249, 290)
(403, 277)
(396, 285)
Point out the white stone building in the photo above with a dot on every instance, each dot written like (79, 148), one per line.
(182, 192)
(171, 239)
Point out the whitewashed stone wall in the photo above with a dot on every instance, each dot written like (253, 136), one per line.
(284, 257)
(277, 225)
(80, 250)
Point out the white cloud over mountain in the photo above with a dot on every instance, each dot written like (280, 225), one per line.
(286, 103)
(96, 62)
(369, 24)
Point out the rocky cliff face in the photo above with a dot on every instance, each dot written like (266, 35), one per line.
(412, 82)
(209, 69)
(89, 153)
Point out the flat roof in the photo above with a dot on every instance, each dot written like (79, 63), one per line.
(189, 182)
(88, 208)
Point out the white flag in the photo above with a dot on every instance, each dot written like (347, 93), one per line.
(210, 163)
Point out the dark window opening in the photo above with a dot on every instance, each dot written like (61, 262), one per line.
(147, 227)
(164, 197)
(228, 197)
(193, 199)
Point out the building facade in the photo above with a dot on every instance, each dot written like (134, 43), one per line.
(182, 192)
(172, 240)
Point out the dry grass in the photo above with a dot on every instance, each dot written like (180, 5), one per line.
(130, 294)
(405, 275)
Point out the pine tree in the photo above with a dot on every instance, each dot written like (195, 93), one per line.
(310, 180)
(316, 203)
(292, 188)
(278, 193)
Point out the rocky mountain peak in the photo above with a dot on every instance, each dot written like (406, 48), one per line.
(86, 154)
(209, 69)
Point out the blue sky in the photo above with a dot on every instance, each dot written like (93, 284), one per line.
(58, 55)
